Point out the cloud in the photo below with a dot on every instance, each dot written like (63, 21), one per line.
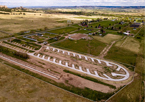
(72, 2)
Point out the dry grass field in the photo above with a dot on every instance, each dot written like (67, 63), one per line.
(129, 43)
(17, 23)
(3, 34)
(132, 11)
(108, 38)
(134, 92)
(24, 88)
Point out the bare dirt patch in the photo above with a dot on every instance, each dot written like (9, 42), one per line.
(78, 36)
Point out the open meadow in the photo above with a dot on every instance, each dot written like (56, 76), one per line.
(108, 38)
(129, 43)
(25, 88)
(3, 35)
(17, 23)
(134, 92)
(93, 47)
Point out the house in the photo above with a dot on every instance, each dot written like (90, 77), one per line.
(126, 33)
(55, 38)
(105, 18)
(45, 43)
(135, 25)
(39, 34)
(90, 33)
(113, 19)
(99, 27)
(122, 22)
(134, 28)
(100, 34)
(27, 32)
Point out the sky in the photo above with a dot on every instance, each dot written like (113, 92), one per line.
(14, 3)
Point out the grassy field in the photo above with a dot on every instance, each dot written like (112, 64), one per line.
(108, 38)
(122, 55)
(3, 34)
(111, 32)
(81, 31)
(134, 92)
(103, 23)
(17, 23)
(63, 30)
(17, 86)
(52, 40)
(130, 44)
(76, 25)
(93, 47)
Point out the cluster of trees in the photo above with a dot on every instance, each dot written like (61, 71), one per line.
(72, 12)
(5, 9)
(22, 55)
(84, 23)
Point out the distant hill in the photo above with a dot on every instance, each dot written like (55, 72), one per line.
(3, 6)
(135, 7)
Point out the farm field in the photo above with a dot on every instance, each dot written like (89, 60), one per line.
(129, 43)
(25, 88)
(103, 23)
(17, 23)
(135, 90)
(90, 17)
(3, 35)
(122, 55)
(93, 47)
(131, 93)
(63, 30)
(108, 38)
(81, 31)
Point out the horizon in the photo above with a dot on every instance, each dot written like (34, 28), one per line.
(24, 3)
(74, 6)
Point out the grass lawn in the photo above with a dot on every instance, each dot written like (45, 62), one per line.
(120, 25)
(103, 23)
(19, 87)
(111, 31)
(81, 31)
(108, 38)
(121, 55)
(76, 25)
(46, 35)
(63, 30)
(93, 47)
(53, 40)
